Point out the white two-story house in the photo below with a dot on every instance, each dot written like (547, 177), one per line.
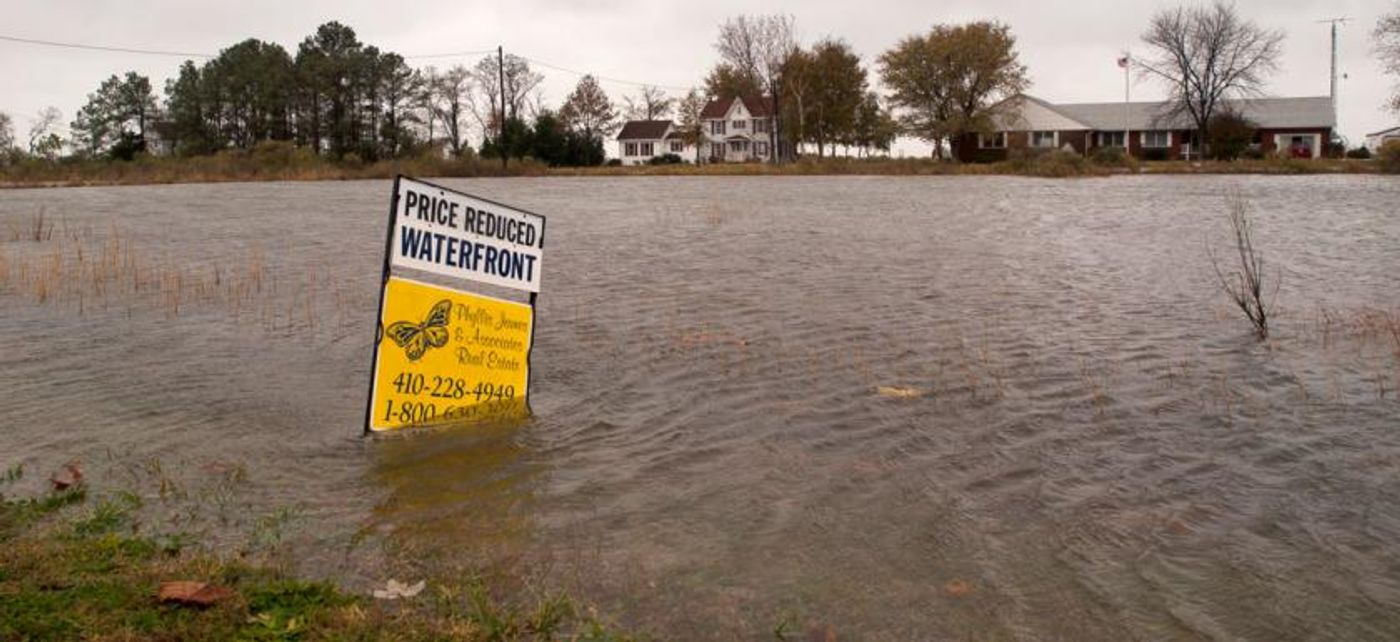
(738, 130)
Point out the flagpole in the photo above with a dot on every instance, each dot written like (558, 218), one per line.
(1127, 98)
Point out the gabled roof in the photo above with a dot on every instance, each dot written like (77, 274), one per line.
(644, 129)
(1024, 112)
(758, 106)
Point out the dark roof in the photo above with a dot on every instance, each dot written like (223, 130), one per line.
(643, 129)
(757, 105)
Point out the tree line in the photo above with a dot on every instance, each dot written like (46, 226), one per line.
(342, 98)
(336, 96)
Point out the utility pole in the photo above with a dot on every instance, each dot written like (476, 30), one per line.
(1334, 22)
(501, 135)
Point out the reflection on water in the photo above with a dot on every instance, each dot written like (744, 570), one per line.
(1087, 443)
(465, 489)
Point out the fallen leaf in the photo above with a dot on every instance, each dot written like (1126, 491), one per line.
(898, 392)
(957, 588)
(71, 475)
(189, 593)
(393, 590)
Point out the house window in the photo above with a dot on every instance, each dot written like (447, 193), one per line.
(1044, 139)
(995, 141)
(629, 149)
(740, 124)
(760, 125)
(760, 148)
(645, 149)
(1156, 139)
(717, 150)
(1297, 145)
(717, 127)
(1110, 139)
(676, 147)
(738, 146)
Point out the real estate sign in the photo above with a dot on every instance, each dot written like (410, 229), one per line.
(443, 354)
(461, 236)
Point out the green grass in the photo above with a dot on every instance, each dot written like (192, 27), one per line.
(71, 569)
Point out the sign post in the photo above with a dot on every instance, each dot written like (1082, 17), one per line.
(443, 354)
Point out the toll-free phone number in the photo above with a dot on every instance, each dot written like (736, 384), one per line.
(446, 388)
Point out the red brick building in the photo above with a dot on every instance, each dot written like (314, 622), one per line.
(1298, 127)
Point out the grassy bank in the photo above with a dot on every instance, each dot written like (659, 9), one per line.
(77, 567)
(287, 164)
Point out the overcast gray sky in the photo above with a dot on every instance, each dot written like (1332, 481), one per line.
(1069, 47)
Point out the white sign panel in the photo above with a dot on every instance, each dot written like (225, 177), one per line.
(455, 235)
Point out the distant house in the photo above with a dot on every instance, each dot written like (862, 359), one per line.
(641, 140)
(1298, 127)
(1375, 141)
(738, 129)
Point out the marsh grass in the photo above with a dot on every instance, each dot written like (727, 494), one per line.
(88, 272)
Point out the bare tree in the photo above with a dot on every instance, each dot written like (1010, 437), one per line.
(520, 87)
(758, 47)
(650, 104)
(1205, 55)
(451, 99)
(43, 137)
(1246, 282)
(1387, 41)
(425, 102)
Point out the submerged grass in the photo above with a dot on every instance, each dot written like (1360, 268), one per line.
(72, 569)
(93, 271)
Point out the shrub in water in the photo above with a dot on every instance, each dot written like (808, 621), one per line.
(1389, 157)
(1053, 163)
(1110, 156)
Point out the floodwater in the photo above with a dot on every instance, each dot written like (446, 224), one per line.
(983, 408)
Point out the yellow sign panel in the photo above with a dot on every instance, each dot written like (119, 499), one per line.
(447, 355)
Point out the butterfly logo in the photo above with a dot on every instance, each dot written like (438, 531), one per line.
(417, 338)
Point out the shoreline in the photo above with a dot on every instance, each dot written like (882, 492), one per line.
(80, 563)
(218, 169)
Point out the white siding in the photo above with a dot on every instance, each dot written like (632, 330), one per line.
(738, 113)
